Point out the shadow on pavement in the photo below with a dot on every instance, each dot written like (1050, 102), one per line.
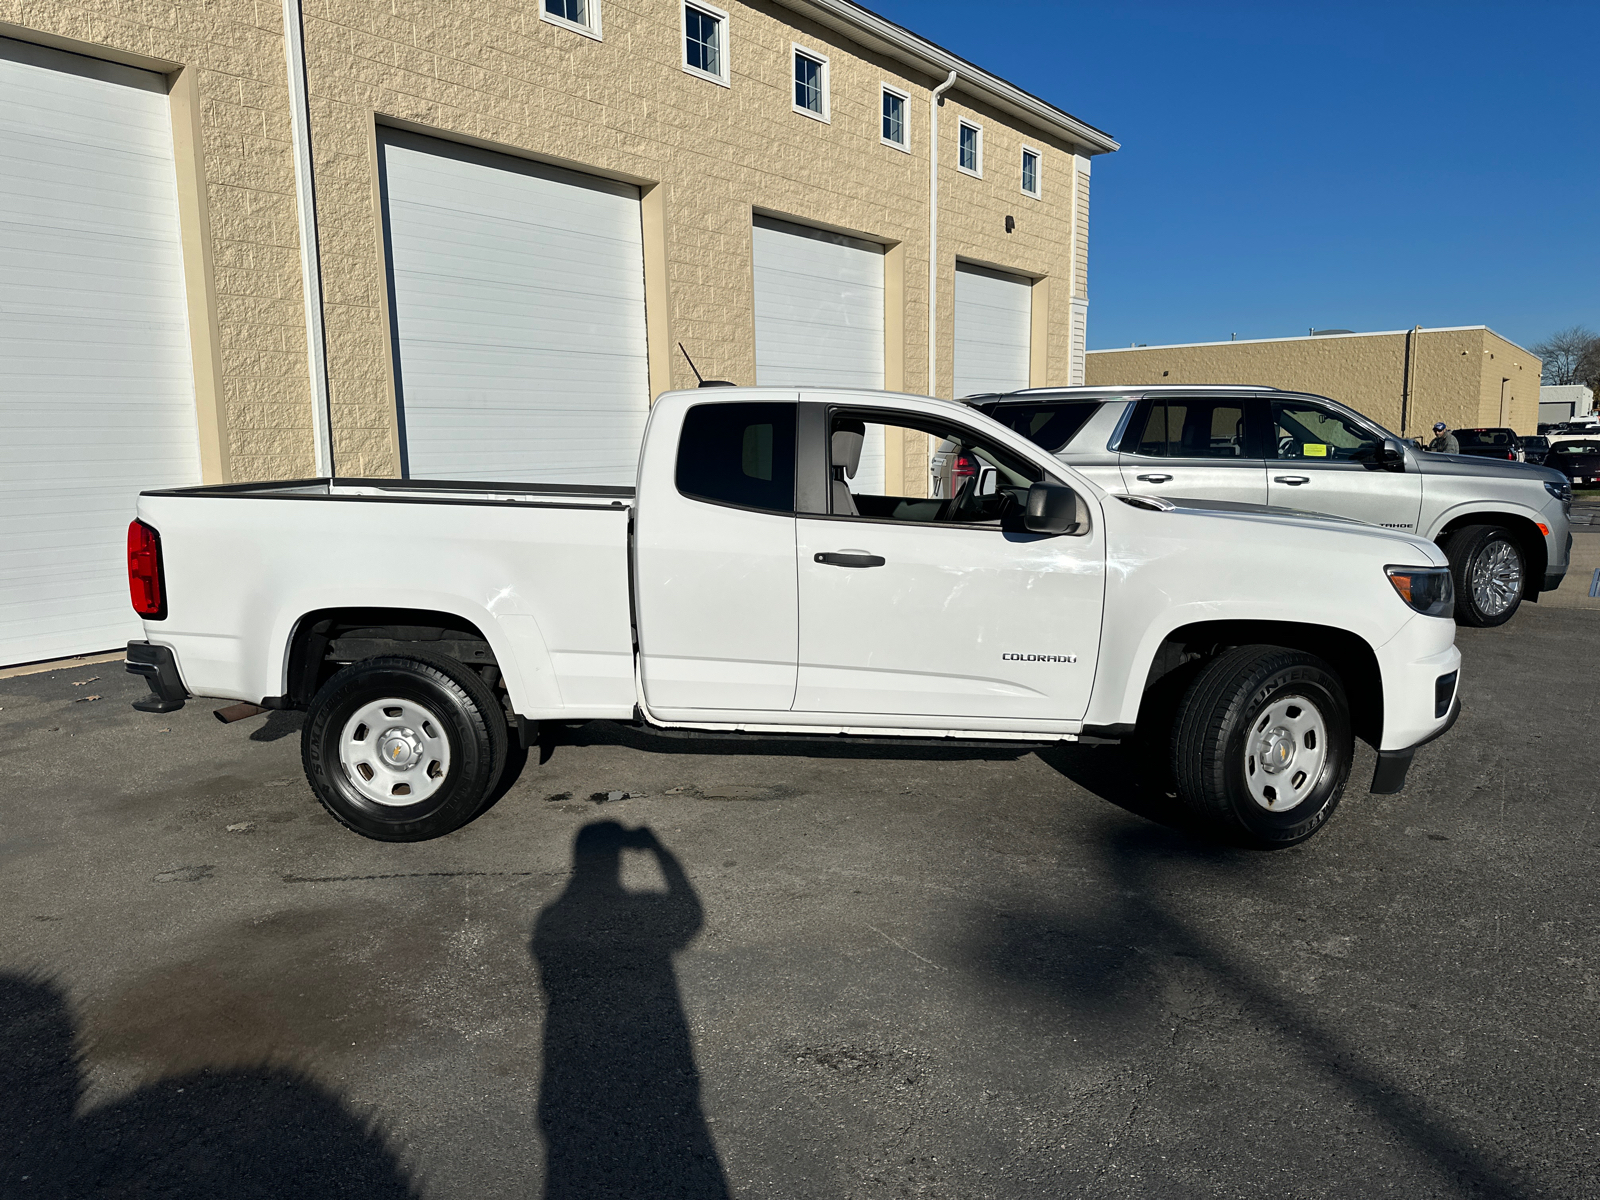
(619, 1104)
(1110, 965)
(266, 1132)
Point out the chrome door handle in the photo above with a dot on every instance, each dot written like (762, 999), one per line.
(850, 558)
(1156, 478)
(1291, 480)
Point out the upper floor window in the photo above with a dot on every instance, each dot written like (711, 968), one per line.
(810, 84)
(894, 119)
(1030, 172)
(970, 155)
(705, 42)
(581, 16)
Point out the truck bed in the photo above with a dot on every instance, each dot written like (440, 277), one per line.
(540, 569)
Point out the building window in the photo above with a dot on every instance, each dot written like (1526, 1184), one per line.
(580, 16)
(970, 157)
(810, 83)
(1030, 172)
(894, 119)
(705, 42)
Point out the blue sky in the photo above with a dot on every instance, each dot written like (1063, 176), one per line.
(1352, 165)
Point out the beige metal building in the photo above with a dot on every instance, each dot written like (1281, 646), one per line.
(244, 241)
(1405, 379)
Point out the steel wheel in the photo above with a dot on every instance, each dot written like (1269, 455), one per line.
(395, 752)
(1284, 753)
(1497, 578)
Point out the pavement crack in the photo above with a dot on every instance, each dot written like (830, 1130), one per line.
(407, 875)
(907, 949)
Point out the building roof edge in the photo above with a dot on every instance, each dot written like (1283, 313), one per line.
(1329, 337)
(853, 19)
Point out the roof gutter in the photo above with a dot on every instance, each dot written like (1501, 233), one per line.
(906, 47)
(936, 99)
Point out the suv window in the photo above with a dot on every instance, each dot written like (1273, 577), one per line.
(1051, 426)
(741, 454)
(1303, 430)
(1189, 428)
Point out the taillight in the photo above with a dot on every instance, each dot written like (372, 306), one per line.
(144, 572)
(966, 467)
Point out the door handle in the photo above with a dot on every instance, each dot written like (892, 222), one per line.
(1291, 480)
(849, 558)
(1155, 478)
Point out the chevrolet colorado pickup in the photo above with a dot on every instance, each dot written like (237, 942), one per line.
(761, 580)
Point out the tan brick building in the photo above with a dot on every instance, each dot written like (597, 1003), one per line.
(465, 231)
(1467, 377)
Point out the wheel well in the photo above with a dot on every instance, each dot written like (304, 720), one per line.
(1347, 655)
(1528, 538)
(328, 639)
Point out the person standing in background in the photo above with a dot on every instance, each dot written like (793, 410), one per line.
(1444, 442)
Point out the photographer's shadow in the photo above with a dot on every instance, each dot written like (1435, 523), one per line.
(619, 1103)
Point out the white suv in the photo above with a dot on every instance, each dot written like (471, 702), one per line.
(1503, 525)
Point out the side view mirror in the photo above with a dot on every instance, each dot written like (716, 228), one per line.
(988, 481)
(1391, 455)
(1053, 508)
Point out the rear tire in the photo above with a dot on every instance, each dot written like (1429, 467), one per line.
(1489, 573)
(1262, 746)
(404, 749)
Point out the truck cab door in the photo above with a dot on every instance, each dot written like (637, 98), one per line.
(932, 612)
(714, 560)
(1200, 447)
(1324, 462)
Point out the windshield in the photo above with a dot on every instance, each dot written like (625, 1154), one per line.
(1576, 448)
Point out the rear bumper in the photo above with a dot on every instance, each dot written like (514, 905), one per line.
(159, 666)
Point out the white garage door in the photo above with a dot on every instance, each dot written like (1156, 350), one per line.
(518, 311)
(96, 388)
(819, 317)
(994, 315)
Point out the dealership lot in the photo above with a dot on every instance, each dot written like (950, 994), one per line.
(952, 973)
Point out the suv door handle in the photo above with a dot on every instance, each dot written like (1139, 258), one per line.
(850, 558)
(1156, 478)
(1291, 480)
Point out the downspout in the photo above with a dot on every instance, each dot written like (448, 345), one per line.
(294, 52)
(933, 226)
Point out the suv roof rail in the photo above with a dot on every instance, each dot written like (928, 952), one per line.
(1142, 387)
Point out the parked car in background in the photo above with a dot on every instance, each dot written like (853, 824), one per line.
(1503, 524)
(1533, 448)
(1496, 442)
(1576, 458)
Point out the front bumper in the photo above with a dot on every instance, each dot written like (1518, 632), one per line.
(159, 666)
(1389, 776)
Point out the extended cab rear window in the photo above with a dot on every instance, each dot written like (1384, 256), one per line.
(740, 454)
(1051, 426)
(1500, 439)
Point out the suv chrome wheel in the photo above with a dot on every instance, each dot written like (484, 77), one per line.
(1497, 578)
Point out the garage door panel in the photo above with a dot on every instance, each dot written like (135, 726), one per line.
(819, 307)
(98, 399)
(993, 330)
(519, 316)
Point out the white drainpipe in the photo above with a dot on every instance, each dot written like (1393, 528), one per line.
(933, 228)
(310, 260)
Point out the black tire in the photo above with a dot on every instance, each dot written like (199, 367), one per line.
(1219, 756)
(463, 716)
(1490, 556)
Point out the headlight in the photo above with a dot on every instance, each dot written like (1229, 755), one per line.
(1561, 491)
(1429, 590)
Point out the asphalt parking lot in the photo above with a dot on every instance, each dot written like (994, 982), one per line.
(957, 974)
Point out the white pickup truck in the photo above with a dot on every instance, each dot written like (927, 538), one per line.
(761, 580)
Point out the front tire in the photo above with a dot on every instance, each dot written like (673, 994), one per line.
(1262, 745)
(1487, 568)
(404, 749)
